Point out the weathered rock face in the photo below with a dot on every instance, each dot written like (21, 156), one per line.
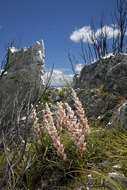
(29, 61)
(120, 116)
(102, 87)
(24, 79)
(111, 73)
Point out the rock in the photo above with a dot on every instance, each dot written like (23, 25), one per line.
(119, 118)
(120, 179)
(29, 61)
(24, 80)
(93, 75)
(102, 86)
(116, 79)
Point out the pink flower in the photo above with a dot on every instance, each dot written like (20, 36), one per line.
(77, 126)
(36, 125)
(73, 128)
(82, 118)
(60, 116)
(51, 129)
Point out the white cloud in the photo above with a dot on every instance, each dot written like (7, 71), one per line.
(59, 78)
(78, 67)
(57, 72)
(109, 30)
(81, 34)
(85, 32)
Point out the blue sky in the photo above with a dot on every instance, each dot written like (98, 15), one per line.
(54, 21)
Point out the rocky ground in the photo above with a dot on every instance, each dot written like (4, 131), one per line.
(102, 89)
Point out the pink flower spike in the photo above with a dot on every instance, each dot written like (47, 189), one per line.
(52, 131)
(60, 116)
(82, 118)
(36, 125)
(73, 128)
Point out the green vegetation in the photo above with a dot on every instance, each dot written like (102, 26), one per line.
(105, 149)
(43, 165)
(62, 92)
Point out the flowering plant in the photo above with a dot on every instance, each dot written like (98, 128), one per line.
(76, 125)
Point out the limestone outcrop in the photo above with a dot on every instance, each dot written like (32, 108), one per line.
(120, 116)
(23, 81)
(102, 88)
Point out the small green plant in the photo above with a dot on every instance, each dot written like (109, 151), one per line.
(45, 97)
(62, 92)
